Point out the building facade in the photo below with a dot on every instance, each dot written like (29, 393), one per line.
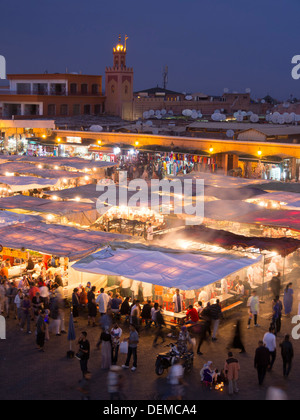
(51, 95)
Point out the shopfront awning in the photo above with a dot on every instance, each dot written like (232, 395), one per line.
(169, 269)
(50, 239)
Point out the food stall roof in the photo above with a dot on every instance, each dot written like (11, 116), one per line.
(9, 218)
(280, 218)
(41, 205)
(72, 162)
(224, 239)
(84, 192)
(61, 241)
(26, 183)
(29, 169)
(172, 269)
(290, 199)
(229, 210)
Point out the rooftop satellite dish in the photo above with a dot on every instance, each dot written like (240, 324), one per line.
(96, 128)
(286, 105)
(229, 133)
(170, 112)
(189, 98)
(281, 120)
(254, 118)
(226, 90)
(157, 112)
(248, 90)
(194, 115)
(158, 116)
(151, 112)
(146, 115)
(263, 101)
(288, 118)
(163, 112)
(149, 123)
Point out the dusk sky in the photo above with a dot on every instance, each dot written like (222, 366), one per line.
(207, 45)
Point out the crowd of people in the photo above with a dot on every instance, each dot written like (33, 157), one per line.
(37, 303)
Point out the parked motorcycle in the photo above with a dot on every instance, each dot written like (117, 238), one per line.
(166, 360)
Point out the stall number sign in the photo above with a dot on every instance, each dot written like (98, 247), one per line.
(77, 140)
(14, 253)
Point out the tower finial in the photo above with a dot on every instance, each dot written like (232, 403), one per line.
(119, 38)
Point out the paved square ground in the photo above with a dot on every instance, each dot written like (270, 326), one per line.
(27, 374)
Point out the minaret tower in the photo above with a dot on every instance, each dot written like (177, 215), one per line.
(119, 84)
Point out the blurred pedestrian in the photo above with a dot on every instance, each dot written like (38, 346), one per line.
(40, 330)
(269, 341)
(287, 354)
(159, 331)
(253, 305)
(288, 299)
(115, 381)
(92, 306)
(237, 341)
(83, 353)
(106, 351)
(133, 341)
(231, 369)
(261, 361)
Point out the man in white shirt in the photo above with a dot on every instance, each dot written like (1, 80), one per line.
(253, 305)
(270, 343)
(102, 301)
(178, 302)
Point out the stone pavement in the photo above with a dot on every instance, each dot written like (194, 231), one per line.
(27, 374)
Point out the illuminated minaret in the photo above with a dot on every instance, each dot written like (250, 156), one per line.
(119, 84)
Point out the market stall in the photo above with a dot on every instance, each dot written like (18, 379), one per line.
(71, 212)
(43, 241)
(150, 272)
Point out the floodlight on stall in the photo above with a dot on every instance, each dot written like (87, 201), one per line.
(9, 174)
(86, 178)
(40, 166)
(77, 199)
(50, 217)
(55, 198)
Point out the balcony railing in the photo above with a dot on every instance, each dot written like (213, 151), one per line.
(46, 93)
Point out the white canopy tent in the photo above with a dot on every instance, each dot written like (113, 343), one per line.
(185, 271)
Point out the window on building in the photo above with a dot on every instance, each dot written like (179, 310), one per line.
(64, 109)
(73, 88)
(51, 110)
(58, 89)
(31, 109)
(40, 88)
(98, 109)
(11, 109)
(23, 88)
(113, 89)
(87, 109)
(95, 89)
(76, 109)
(84, 89)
